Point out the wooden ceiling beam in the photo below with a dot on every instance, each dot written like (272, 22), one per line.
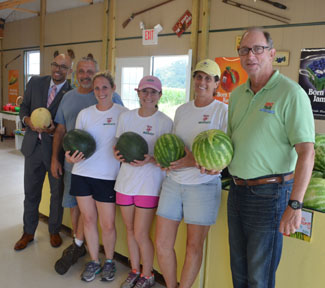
(26, 10)
(13, 3)
(88, 1)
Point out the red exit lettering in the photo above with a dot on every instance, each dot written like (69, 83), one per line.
(148, 35)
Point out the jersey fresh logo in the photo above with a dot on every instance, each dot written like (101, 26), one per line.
(148, 130)
(205, 119)
(109, 121)
(268, 108)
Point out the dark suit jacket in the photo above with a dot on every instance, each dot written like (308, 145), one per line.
(35, 96)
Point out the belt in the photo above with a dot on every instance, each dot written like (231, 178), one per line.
(261, 181)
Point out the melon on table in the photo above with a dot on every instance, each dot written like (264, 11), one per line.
(319, 163)
(41, 117)
(315, 194)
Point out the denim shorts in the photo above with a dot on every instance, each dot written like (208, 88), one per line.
(198, 204)
(68, 201)
(101, 190)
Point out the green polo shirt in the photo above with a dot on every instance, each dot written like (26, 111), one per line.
(265, 127)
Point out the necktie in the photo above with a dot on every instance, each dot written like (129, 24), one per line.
(51, 96)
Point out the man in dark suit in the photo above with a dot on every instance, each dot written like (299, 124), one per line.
(45, 91)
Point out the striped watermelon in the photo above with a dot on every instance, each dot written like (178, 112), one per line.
(317, 174)
(315, 195)
(168, 148)
(212, 149)
(319, 164)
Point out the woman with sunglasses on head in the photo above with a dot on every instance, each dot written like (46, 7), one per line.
(138, 183)
(93, 179)
(186, 192)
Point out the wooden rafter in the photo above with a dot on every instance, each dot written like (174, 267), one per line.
(12, 4)
(26, 10)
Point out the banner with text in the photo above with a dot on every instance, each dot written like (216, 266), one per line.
(13, 86)
(312, 78)
(232, 75)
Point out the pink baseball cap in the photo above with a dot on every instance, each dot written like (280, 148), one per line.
(149, 82)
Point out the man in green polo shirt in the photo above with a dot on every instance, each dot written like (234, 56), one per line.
(272, 128)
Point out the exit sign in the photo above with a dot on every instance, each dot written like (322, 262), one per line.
(149, 37)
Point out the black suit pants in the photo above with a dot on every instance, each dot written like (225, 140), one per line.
(36, 166)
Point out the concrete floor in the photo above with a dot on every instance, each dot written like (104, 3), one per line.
(34, 266)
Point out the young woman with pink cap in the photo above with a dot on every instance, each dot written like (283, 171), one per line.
(138, 183)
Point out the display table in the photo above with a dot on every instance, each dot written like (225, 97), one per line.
(13, 116)
(301, 266)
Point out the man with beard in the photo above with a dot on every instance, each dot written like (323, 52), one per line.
(73, 102)
(44, 91)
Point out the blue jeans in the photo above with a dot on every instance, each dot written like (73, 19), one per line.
(254, 214)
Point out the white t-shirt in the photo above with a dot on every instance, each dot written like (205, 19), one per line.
(144, 180)
(102, 126)
(189, 122)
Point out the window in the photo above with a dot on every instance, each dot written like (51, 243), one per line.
(172, 72)
(32, 64)
(131, 76)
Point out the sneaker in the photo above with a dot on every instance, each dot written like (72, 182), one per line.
(91, 270)
(131, 280)
(69, 257)
(145, 282)
(108, 271)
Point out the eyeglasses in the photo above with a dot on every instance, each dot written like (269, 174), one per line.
(60, 67)
(256, 49)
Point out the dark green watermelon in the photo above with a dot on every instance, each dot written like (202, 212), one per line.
(81, 140)
(132, 146)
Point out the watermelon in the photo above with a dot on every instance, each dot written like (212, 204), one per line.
(168, 148)
(317, 174)
(80, 140)
(132, 146)
(212, 149)
(315, 195)
(319, 164)
(41, 117)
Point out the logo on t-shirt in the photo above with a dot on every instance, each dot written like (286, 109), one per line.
(109, 121)
(205, 119)
(268, 108)
(148, 130)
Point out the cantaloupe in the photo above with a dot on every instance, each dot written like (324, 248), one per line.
(41, 117)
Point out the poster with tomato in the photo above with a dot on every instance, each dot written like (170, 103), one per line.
(232, 75)
(13, 86)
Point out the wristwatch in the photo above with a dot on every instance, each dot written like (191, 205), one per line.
(294, 204)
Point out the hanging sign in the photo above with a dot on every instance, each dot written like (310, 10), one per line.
(13, 85)
(183, 23)
(232, 75)
(312, 78)
(149, 37)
